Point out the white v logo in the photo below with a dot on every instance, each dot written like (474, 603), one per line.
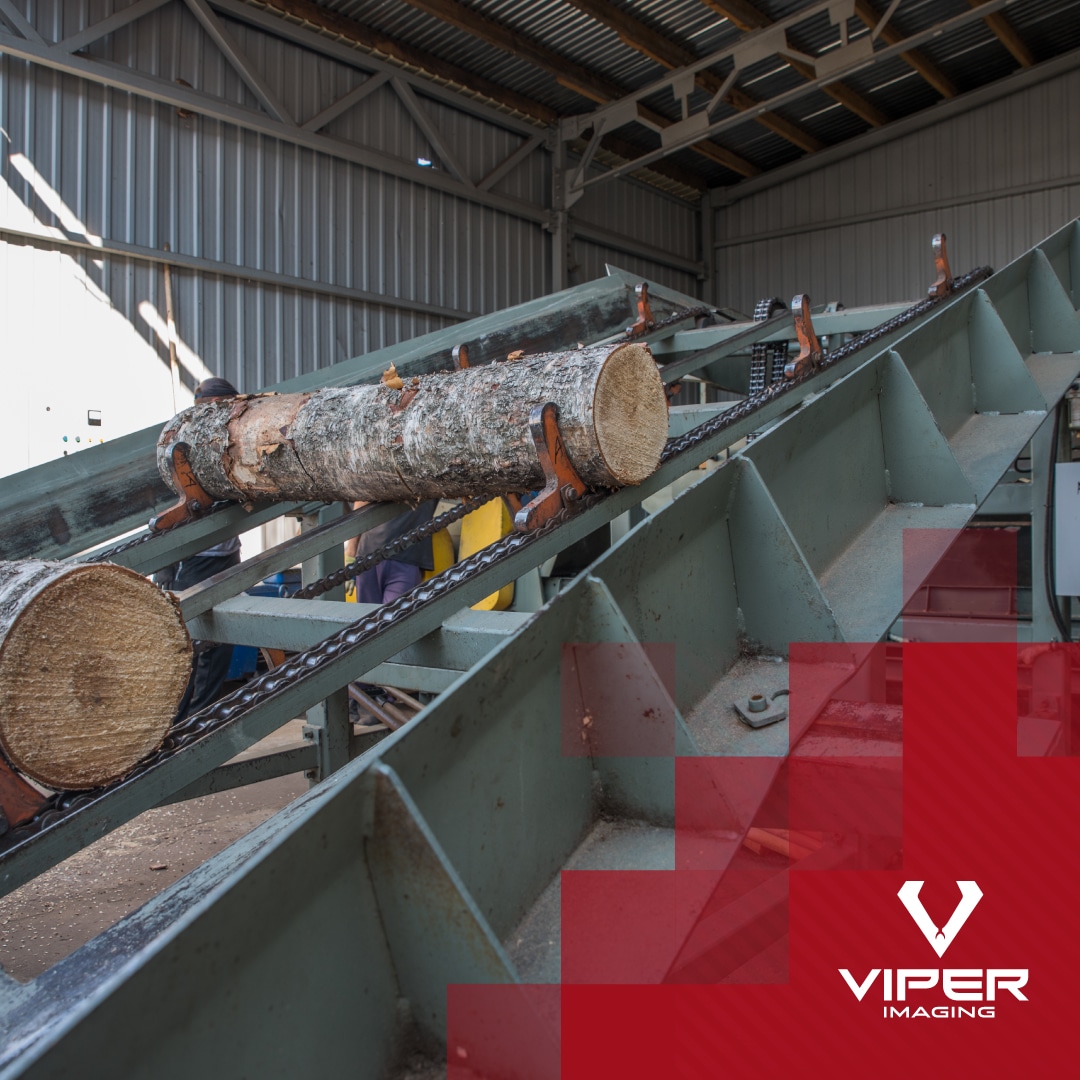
(940, 940)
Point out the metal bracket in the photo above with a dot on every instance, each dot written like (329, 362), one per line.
(193, 499)
(943, 286)
(810, 353)
(760, 711)
(564, 488)
(645, 320)
(19, 801)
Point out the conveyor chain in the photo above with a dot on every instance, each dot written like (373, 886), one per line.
(751, 404)
(350, 638)
(767, 358)
(388, 551)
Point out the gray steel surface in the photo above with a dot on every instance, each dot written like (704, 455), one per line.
(476, 805)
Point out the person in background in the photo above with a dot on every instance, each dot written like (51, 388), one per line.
(389, 579)
(211, 664)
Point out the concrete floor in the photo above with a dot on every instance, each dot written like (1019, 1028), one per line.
(58, 911)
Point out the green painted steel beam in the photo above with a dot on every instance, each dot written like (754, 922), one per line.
(298, 624)
(438, 842)
(826, 323)
(251, 770)
(71, 504)
(169, 547)
(203, 596)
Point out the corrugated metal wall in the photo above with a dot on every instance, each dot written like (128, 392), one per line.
(638, 215)
(996, 180)
(132, 170)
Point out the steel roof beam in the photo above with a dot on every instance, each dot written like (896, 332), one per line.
(771, 41)
(935, 114)
(890, 33)
(747, 17)
(670, 54)
(567, 73)
(1004, 31)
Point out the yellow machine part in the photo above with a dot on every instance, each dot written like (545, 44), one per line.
(442, 548)
(479, 530)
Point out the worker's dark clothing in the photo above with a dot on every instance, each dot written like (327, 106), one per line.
(389, 579)
(211, 664)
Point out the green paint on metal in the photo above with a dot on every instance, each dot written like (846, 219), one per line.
(435, 931)
(780, 600)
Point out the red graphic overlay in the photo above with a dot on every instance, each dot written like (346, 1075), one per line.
(779, 944)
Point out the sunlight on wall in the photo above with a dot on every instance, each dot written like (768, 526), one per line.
(69, 356)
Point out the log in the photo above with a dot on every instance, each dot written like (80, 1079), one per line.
(94, 660)
(444, 435)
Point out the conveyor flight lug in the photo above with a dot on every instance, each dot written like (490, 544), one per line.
(564, 488)
(810, 353)
(193, 499)
(645, 320)
(19, 801)
(943, 286)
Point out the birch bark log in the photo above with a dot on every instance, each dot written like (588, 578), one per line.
(444, 435)
(94, 660)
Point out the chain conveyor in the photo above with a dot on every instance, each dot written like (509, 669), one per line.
(420, 863)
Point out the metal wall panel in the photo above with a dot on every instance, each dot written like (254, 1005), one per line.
(643, 215)
(590, 259)
(93, 165)
(996, 180)
(102, 163)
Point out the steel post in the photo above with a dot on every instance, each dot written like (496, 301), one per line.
(328, 725)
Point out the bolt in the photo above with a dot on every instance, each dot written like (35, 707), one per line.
(757, 703)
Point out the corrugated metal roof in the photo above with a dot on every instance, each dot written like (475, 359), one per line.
(969, 57)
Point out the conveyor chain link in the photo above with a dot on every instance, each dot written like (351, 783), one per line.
(349, 639)
(751, 404)
(388, 551)
(767, 357)
(143, 538)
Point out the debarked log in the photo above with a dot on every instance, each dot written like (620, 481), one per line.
(94, 660)
(443, 435)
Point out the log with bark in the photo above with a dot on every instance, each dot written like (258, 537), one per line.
(445, 435)
(94, 660)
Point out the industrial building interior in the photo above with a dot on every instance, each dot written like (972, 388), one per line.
(848, 234)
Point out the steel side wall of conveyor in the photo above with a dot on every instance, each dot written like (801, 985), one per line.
(487, 793)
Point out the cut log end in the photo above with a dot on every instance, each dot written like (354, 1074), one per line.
(630, 412)
(92, 668)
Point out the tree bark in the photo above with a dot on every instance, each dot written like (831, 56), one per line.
(444, 435)
(94, 660)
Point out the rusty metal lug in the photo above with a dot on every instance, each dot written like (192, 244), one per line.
(645, 320)
(563, 487)
(943, 285)
(810, 352)
(193, 499)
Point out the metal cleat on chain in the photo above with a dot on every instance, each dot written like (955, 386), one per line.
(810, 354)
(943, 286)
(193, 499)
(564, 488)
(645, 320)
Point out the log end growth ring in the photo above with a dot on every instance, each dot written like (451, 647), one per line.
(630, 411)
(92, 669)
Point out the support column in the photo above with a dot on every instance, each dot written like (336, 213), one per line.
(328, 723)
(560, 218)
(707, 241)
